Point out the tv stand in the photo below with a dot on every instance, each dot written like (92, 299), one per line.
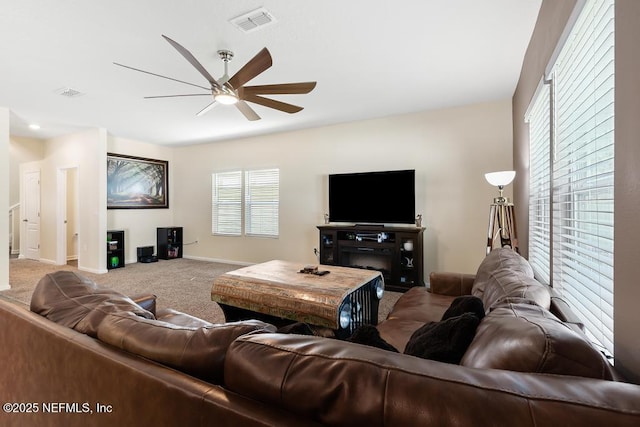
(395, 251)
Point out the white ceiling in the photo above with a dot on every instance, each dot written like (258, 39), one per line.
(371, 58)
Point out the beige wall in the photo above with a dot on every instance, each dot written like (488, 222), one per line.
(85, 151)
(21, 150)
(449, 149)
(140, 225)
(4, 196)
(626, 317)
(551, 21)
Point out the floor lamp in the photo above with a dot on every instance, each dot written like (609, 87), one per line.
(502, 219)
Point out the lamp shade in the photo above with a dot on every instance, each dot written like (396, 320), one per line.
(500, 179)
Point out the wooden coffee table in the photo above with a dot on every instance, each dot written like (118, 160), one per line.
(278, 289)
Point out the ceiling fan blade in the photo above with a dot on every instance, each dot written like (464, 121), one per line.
(280, 89)
(164, 77)
(272, 103)
(255, 66)
(247, 111)
(193, 61)
(206, 109)
(176, 96)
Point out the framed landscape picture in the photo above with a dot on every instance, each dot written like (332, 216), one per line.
(137, 182)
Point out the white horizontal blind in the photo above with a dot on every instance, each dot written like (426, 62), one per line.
(226, 203)
(583, 169)
(261, 201)
(539, 119)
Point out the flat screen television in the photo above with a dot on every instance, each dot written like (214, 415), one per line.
(387, 197)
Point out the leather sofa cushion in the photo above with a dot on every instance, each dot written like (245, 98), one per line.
(505, 274)
(415, 307)
(337, 383)
(420, 304)
(397, 332)
(178, 340)
(68, 299)
(527, 338)
(197, 349)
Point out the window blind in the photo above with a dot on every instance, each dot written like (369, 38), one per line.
(583, 169)
(539, 119)
(226, 203)
(261, 202)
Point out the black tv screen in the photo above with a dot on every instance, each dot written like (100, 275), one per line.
(373, 197)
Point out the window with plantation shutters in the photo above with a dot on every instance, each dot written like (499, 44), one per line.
(261, 202)
(226, 205)
(572, 155)
(248, 201)
(583, 169)
(539, 119)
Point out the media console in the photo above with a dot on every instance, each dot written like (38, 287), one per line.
(395, 251)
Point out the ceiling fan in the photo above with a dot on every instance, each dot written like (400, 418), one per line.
(231, 90)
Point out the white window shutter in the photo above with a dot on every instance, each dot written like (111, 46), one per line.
(226, 203)
(583, 169)
(262, 202)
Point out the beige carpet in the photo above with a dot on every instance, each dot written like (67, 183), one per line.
(182, 284)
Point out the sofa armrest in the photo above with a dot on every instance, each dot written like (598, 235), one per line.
(452, 284)
(146, 301)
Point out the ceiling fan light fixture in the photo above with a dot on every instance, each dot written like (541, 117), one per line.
(232, 91)
(226, 98)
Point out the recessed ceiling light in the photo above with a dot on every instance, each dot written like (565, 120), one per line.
(34, 126)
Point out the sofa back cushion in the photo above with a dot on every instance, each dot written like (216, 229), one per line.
(505, 274)
(527, 338)
(69, 299)
(183, 342)
(197, 351)
(340, 383)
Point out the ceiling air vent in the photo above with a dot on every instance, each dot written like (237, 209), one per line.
(254, 20)
(68, 92)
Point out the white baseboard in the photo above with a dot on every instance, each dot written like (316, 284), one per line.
(88, 270)
(223, 261)
(93, 270)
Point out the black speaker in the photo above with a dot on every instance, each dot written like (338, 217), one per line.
(145, 254)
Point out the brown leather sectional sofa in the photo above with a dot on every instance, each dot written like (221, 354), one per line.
(112, 360)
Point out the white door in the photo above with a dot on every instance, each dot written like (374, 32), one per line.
(71, 218)
(31, 214)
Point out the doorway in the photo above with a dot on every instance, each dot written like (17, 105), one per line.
(68, 213)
